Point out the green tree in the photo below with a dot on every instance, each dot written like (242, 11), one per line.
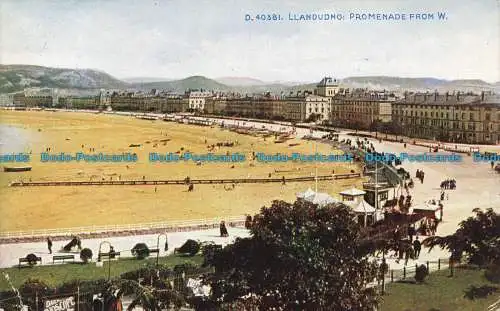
(478, 238)
(299, 257)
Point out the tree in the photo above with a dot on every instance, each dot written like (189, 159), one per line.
(86, 255)
(299, 257)
(140, 251)
(32, 290)
(477, 237)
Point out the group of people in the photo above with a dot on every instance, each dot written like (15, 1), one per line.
(428, 226)
(449, 184)
(420, 175)
(406, 248)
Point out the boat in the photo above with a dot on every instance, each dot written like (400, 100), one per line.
(17, 169)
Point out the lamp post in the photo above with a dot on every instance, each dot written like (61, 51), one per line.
(158, 246)
(109, 257)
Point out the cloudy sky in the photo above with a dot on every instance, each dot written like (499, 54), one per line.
(175, 39)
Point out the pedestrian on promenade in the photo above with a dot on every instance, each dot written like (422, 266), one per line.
(409, 254)
(417, 246)
(49, 245)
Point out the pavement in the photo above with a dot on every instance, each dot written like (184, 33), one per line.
(10, 253)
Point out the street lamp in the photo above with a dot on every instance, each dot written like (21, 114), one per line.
(109, 257)
(158, 246)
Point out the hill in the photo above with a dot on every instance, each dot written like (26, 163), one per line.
(417, 84)
(194, 82)
(14, 78)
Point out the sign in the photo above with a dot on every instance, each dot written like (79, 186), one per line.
(60, 304)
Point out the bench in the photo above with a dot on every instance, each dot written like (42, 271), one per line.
(62, 258)
(154, 251)
(25, 260)
(108, 256)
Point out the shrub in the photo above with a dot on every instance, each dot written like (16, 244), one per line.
(421, 273)
(474, 292)
(30, 289)
(31, 259)
(86, 255)
(209, 252)
(191, 248)
(492, 274)
(140, 251)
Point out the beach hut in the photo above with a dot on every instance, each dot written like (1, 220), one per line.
(354, 198)
(309, 192)
(319, 198)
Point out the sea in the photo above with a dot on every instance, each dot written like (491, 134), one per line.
(15, 139)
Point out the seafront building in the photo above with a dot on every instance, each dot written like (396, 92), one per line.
(452, 117)
(362, 109)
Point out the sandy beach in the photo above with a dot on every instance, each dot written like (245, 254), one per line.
(60, 207)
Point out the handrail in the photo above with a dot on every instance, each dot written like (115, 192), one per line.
(117, 228)
(494, 306)
(182, 181)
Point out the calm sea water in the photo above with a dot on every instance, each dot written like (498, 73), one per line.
(15, 139)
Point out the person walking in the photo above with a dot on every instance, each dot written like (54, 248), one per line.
(417, 246)
(49, 245)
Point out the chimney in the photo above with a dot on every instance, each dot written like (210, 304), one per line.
(447, 95)
(458, 95)
(482, 96)
(435, 96)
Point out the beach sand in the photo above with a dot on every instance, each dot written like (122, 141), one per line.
(59, 207)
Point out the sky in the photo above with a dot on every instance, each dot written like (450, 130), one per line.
(180, 38)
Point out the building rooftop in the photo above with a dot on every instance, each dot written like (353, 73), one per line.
(328, 81)
(450, 99)
(352, 192)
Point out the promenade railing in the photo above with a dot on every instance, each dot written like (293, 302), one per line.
(121, 227)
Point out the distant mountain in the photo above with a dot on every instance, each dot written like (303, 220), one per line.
(144, 80)
(194, 82)
(417, 84)
(240, 81)
(15, 78)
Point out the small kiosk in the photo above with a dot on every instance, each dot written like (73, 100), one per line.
(365, 213)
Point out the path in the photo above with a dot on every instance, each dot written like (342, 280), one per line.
(10, 253)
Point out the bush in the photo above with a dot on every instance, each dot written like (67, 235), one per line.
(140, 251)
(32, 259)
(474, 292)
(86, 255)
(209, 252)
(191, 248)
(421, 273)
(30, 289)
(492, 274)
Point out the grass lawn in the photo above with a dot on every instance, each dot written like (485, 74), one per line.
(58, 274)
(439, 292)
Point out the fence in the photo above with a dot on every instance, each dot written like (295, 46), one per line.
(176, 225)
(183, 181)
(409, 272)
(495, 306)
